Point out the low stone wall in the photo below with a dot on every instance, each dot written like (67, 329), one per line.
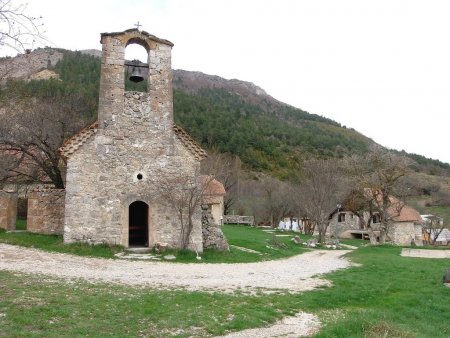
(236, 219)
(8, 210)
(46, 211)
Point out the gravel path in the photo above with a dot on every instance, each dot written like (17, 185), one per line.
(301, 325)
(298, 273)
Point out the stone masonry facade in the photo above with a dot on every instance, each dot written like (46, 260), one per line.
(8, 210)
(406, 233)
(46, 211)
(119, 160)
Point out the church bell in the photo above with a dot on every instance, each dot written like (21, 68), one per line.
(136, 75)
(136, 70)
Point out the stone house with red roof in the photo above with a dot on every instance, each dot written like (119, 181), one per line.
(114, 164)
(405, 224)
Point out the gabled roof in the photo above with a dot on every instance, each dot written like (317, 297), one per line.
(408, 214)
(76, 141)
(193, 147)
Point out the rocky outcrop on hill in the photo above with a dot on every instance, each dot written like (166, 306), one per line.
(192, 82)
(25, 65)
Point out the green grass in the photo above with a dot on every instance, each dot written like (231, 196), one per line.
(388, 296)
(239, 235)
(55, 243)
(21, 224)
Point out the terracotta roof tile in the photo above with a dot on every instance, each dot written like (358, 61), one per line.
(77, 140)
(213, 186)
(193, 147)
(406, 214)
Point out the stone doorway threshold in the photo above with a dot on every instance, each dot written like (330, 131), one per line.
(138, 250)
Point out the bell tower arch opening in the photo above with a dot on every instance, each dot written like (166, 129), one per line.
(138, 224)
(136, 67)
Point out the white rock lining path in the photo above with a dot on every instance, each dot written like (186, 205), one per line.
(295, 274)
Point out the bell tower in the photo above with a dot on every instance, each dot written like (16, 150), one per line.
(112, 76)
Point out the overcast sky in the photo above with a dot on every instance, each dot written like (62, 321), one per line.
(381, 67)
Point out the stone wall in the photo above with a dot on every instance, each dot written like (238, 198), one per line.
(126, 159)
(217, 212)
(405, 233)
(112, 74)
(46, 211)
(236, 219)
(102, 178)
(213, 237)
(215, 202)
(350, 222)
(8, 210)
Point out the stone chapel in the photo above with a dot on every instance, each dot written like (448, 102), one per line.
(112, 165)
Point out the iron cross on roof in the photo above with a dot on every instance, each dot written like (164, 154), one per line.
(138, 25)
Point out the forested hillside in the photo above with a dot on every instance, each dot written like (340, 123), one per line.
(225, 115)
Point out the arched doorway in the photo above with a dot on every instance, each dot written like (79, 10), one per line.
(138, 224)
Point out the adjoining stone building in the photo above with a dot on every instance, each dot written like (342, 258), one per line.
(405, 225)
(114, 165)
(213, 197)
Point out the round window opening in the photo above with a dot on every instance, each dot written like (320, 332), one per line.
(139, 176)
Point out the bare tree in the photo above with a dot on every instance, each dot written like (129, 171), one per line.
(18, 29)
(184, 193)
(278, 199)
(226, 168)
(433, 226)
(320, 192)
(376, 179)
(33, 129)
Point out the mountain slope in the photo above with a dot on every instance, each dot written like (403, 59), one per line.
(226, 115)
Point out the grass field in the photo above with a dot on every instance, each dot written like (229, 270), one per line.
(387, 296)
(55, 243)
(266, 244)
